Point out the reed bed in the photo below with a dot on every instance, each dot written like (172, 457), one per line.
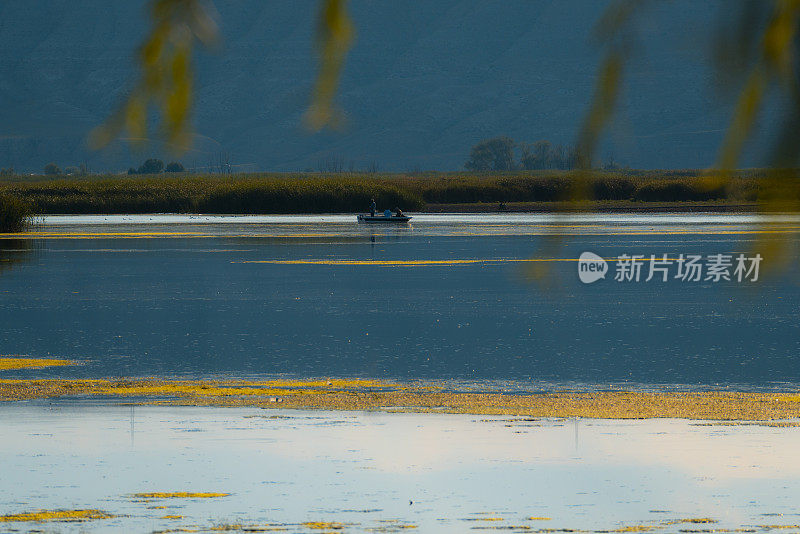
(338, 193)
(208, 194)
(15, 213)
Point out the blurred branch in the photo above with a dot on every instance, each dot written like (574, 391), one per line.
(773, 64)
(335, 35)
(772, 38)
(744, 117)
(615, 34)
(165, 78)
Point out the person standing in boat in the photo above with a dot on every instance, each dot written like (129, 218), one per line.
(372, 208)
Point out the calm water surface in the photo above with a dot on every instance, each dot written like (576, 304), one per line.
(441, 473)
(448, 297)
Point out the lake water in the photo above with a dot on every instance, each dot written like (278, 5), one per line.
(489, 300)
(374, 472)
(447, 297)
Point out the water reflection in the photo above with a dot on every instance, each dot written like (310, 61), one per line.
(14, 251)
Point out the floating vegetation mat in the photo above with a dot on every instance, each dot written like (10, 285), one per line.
(489, 522)
(7, 363)
(56, 515)
(386, 396)
(178, 495)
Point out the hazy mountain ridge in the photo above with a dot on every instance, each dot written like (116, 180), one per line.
(425, 81)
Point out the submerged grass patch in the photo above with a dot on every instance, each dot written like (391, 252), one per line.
(391, 525)
(56, 515)
(371, 395)
(224, 528)
(691, 520)
(179, 495)
(322, 525)
(31, 363)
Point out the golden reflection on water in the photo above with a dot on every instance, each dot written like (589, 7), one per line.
(422, 263)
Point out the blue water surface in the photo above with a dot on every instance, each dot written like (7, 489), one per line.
(209, 297)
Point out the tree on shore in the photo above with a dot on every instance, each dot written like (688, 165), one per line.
(543, 155)
(174, 167)
(52, 169)
(495, 154)
(151, 166)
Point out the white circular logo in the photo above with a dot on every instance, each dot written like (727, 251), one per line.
(591, 267)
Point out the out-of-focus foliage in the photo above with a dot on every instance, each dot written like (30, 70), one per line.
(335, 36)
(758, 53)
(615, 35)
(165, 74)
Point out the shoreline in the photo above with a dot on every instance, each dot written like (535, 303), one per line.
(596, 206)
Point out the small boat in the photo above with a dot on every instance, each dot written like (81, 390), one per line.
(367, 218)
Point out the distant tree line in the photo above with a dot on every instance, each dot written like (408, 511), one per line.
(504, 154)
(156, 166)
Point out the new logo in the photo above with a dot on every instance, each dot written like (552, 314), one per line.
(591, 267)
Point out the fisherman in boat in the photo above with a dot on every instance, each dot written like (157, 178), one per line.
(398, 212)
(372, 208)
